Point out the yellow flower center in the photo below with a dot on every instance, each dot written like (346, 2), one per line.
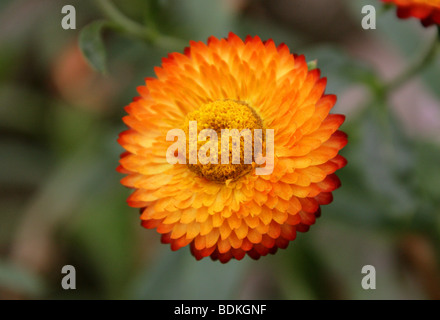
(218, 115)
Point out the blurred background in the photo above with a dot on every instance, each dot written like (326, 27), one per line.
(61, 201)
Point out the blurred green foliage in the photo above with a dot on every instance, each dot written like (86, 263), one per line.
(61, 201)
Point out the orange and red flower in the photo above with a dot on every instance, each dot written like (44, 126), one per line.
(223, 211)
(428, 11)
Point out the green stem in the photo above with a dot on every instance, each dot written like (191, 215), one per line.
(416, 68)
(136, 29)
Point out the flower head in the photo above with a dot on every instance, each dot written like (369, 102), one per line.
(227, 210)
(428, 11)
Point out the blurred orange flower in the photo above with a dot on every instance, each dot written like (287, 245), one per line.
(77, 83)
(428, 11)
(228, 212)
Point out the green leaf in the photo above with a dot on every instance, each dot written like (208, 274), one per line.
(383, 156)
(109, 259)
(302, 274)
(92, 45)
(177, 275)
(427, 171)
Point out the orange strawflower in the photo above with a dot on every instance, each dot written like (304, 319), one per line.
(428, 11)
(227, 210)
